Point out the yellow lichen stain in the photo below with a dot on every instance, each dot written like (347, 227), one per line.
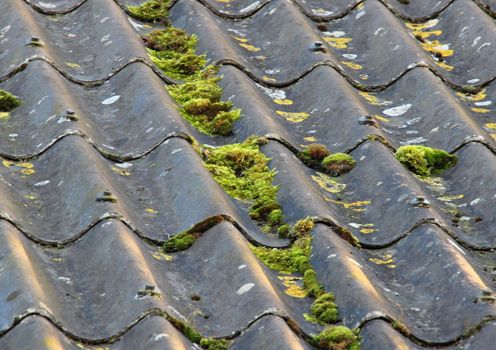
(493, 136)
(7, 163)
(477, 97)
(249, 47)
(28, 171)
(381, 118)
(151, 211)
(310, 139)
(360, 6)
(352, 65)
(26, 168)
(294, 117)
(358, 206)
(450, 198)
(421, 26)
(4, 115)
(363, 76)
(30, 197)
(387, 259)
(373, 99)
(158, 255)
(480, 110)
(337, 43)
(52, 343)
(241, 40)
(327, 183)
(425, 35)
(266, 78)
(367, 231)
(445, 66)
(224, 1)
(57, 259)
(72, 65)
(120, 171)
(437, 47)
(491, 126)
(292, 288)
(286, 101)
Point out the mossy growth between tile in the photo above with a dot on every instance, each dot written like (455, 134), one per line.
(214, 344)
(207, 343)
(425, 161)
(242, 170)
(318, 157)
(150, 11)
(179, 242)
(337, 338)
(198, 95)
(8, 101)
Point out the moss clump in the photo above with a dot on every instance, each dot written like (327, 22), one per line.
(337, 338)
(312, 284)
(8, 101)
(150, 11)
(214, 344)
(314, 154)
(201, 106)
(338, 163)
(179, 242)
(425, 161)
(188, 331)
(301, 228)
(317, 156)
(324, 309)
(242, 170)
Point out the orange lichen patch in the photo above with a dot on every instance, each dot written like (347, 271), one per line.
(294, 117)
(337, 43)
(477, 97)
(266, 78)
(421, 26)
(122, 172)
(352, 65)
(438, 48)
(249, 47)
(381, 118)
(425, 35)
(445, 66)
(327, 183)
(386, 259)
(242, 40)
(292, 288)
(373, 99)
(480, 110)
(286, 102)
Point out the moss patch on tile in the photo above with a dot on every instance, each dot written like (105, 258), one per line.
(242, 171)
(150, 11)
(198, 93)
(179, 242)
(337, 338)
(425, 161)
(318, 157)
(8, 101)
(214, 344)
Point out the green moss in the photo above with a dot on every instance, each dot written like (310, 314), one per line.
(242, 170)
(150, 11)
(337, 338)
(425, 161)
(324, 309)
(201, 106)
(188, 331)
(311, 283)
(170, 39)
(313, 154)
(338, 163)
(301, 228)
(179, 242)
(283, 230)
(8, 101)
(214, 344)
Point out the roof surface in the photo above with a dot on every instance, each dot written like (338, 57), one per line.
(72, 267)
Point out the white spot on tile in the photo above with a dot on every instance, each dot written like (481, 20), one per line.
(110, 100)
(245, 288)
(397, 111)
(42, 183)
